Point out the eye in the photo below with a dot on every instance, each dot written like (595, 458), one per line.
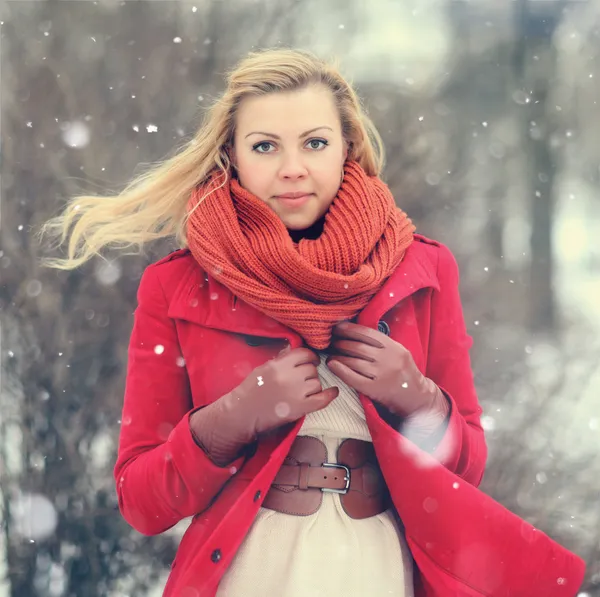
(314, 144)
(262, 145)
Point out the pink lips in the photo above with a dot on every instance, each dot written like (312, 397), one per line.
(295, 199)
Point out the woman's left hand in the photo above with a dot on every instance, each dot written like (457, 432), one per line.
(382, 369)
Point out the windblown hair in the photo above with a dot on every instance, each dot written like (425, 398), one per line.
(153, 205)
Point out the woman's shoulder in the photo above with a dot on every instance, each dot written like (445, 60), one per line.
(169, 271)
(173, 264)
(437, 258)
(177, 254)
(427, 241)
(434, 249)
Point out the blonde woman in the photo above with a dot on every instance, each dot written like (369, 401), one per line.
(299, 378)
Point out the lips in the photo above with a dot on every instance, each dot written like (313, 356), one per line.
(294, 195)
(293, 199)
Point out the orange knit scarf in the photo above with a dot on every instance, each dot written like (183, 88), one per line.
(311, 285)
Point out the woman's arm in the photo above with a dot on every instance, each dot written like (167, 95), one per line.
(461, 447)
(162, 475)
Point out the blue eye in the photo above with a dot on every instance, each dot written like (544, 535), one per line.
(261, 144)
(323, 141)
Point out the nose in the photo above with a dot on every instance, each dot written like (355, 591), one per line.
(292, 167)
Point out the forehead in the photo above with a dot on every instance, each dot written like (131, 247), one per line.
(288, 111)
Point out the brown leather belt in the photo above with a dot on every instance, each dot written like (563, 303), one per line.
(304, 476)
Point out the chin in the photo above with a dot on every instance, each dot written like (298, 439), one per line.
(298, 220)
(297, 225)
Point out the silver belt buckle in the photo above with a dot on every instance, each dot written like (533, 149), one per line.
(346, 478)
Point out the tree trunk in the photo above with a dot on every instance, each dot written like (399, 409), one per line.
(535, 64)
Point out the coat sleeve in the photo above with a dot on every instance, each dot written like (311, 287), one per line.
(161, 474)
(462, 447)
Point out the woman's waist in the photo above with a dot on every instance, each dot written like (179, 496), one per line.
(315, 467)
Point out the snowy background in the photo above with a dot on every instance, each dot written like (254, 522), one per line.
(490, 116)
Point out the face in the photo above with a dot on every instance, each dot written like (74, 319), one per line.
(289, 152)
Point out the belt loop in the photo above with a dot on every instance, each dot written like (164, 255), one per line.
(303, 478)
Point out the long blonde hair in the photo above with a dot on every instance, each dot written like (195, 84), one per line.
(153, 205)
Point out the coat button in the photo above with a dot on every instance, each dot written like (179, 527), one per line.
(383, 327)
(257, 496)
(215, 556)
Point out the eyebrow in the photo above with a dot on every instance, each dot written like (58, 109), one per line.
(272, 135)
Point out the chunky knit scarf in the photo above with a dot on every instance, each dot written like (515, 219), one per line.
(311, 285)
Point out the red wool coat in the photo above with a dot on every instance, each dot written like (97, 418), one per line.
(193, 341)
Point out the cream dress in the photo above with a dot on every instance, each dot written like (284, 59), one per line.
(326, 554)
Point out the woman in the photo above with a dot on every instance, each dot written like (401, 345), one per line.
(299, 378)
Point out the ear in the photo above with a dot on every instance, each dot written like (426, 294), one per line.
(347, 146)
(232, 157)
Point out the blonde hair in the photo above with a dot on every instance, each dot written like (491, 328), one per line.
(153, 205)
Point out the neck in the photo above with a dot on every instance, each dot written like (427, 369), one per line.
(312, 232)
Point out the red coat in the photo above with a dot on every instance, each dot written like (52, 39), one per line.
(193, 341)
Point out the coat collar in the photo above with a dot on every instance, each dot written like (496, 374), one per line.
(200, 299)
(417, 270)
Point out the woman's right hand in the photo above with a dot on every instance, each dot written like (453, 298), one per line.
(280, 391)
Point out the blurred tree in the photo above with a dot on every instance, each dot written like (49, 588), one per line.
(535, 65)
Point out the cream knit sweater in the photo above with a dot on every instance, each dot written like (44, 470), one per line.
(328, 553)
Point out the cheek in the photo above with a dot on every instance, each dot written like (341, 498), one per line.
(329, 180)
(254, 176)
(330, 169)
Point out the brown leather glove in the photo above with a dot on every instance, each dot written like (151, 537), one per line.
(384, 370)
(280, 391)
